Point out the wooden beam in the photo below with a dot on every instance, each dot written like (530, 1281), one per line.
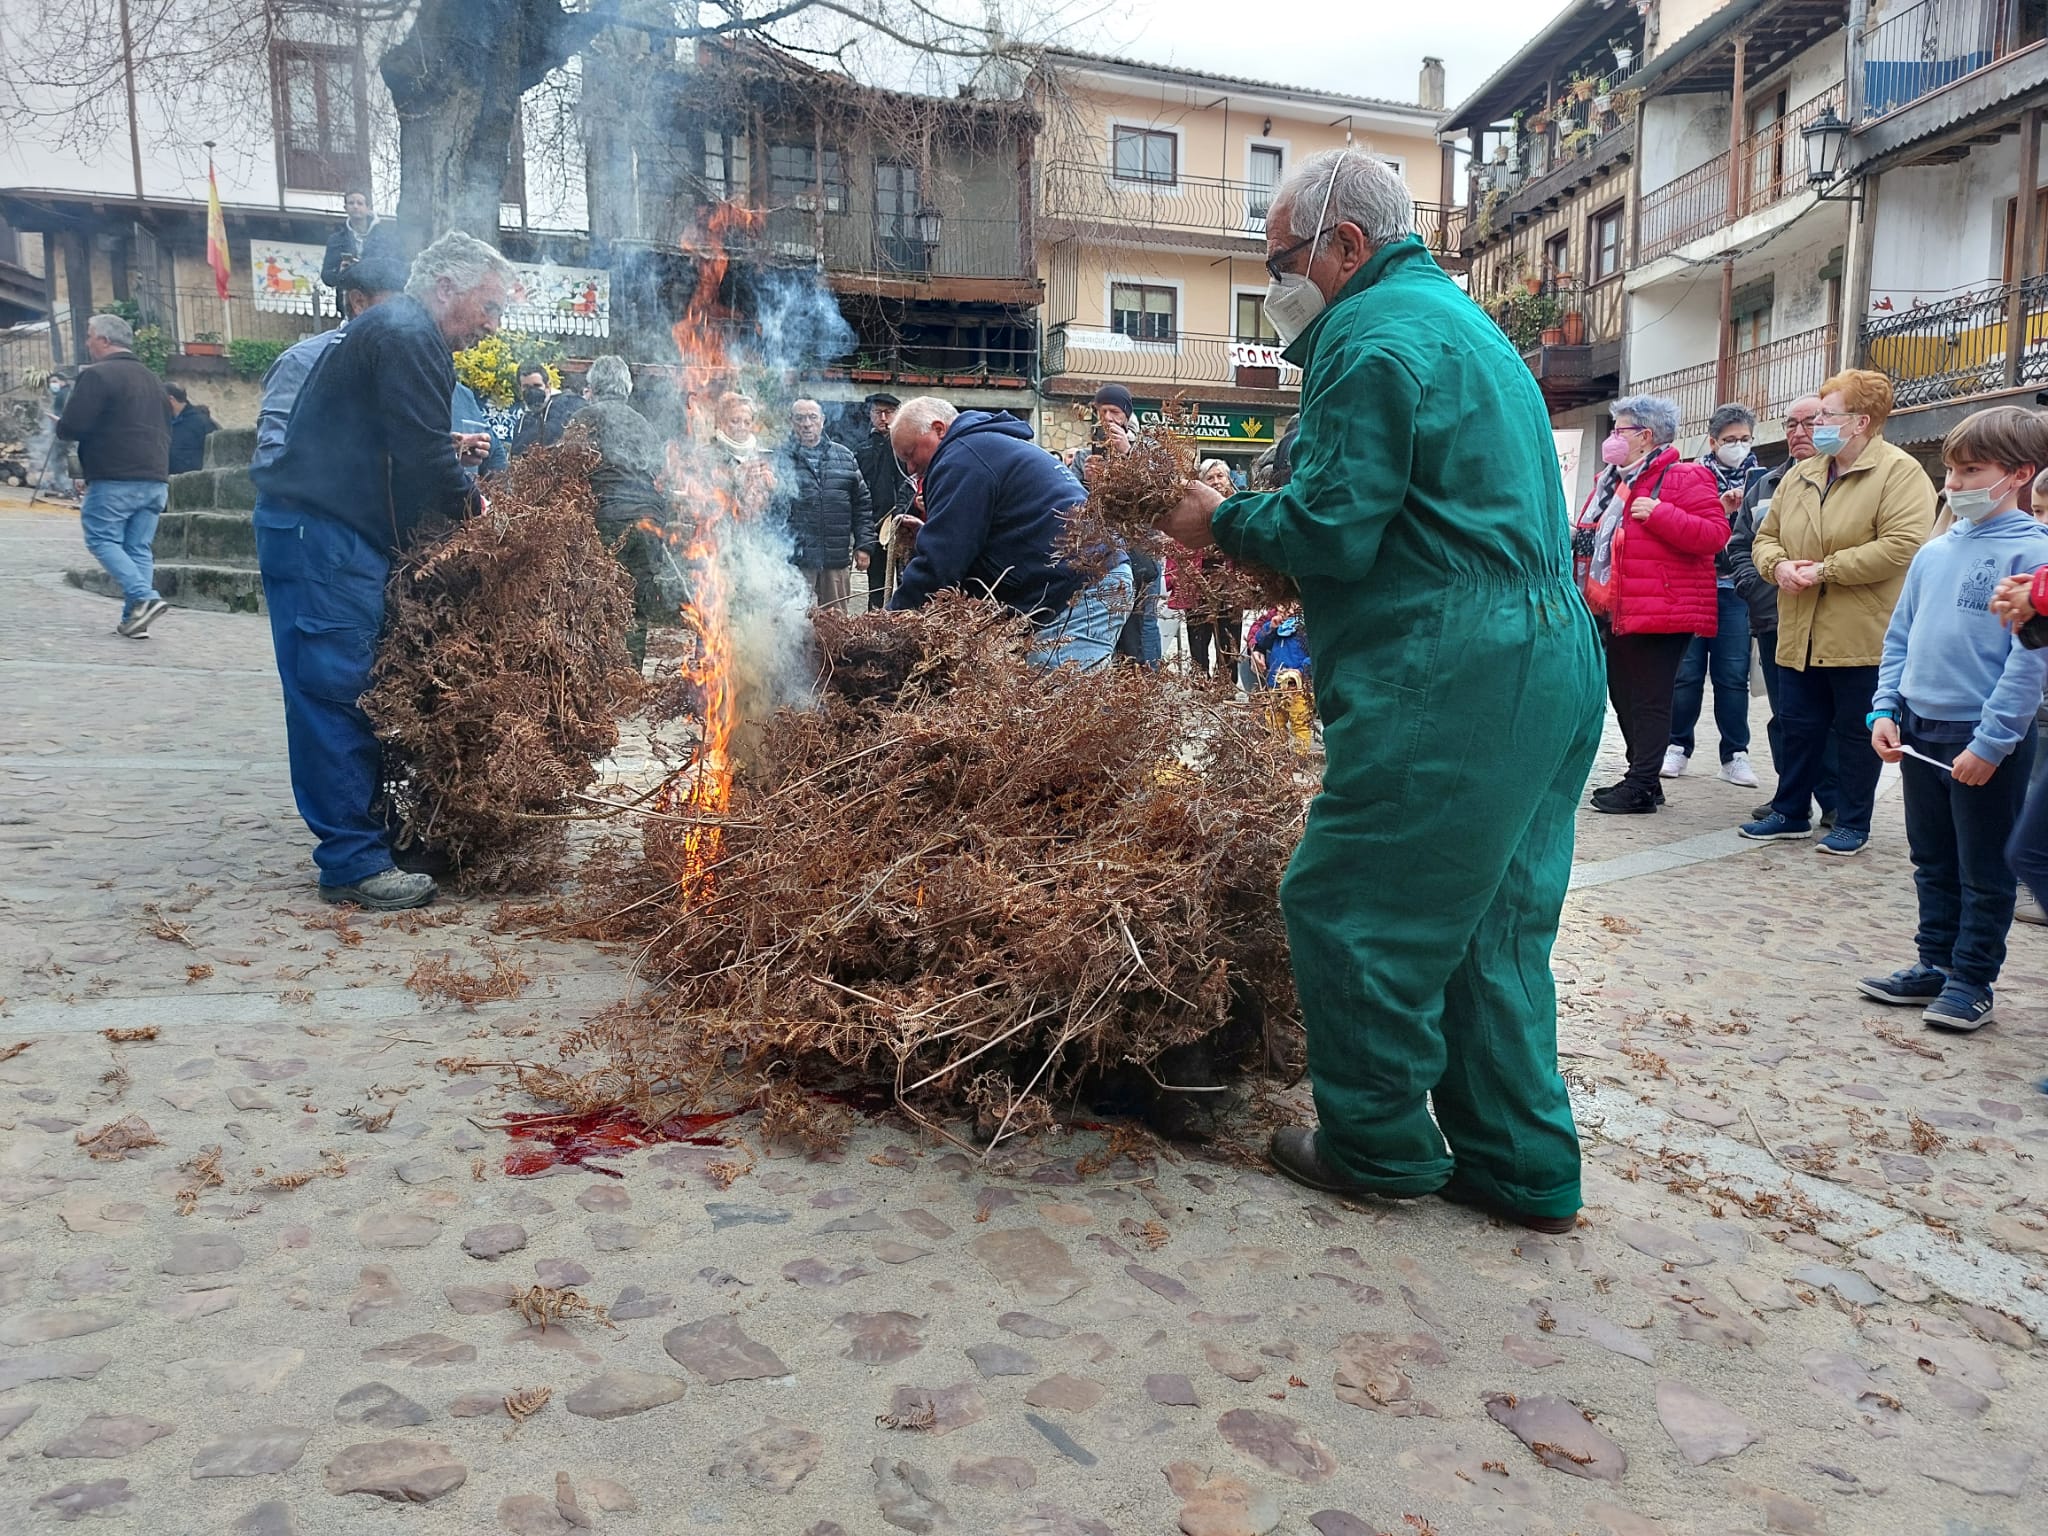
(2025, 238)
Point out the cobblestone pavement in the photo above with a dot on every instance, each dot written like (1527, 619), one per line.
(1806, 1296)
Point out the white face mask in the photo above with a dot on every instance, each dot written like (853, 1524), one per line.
(1292, 299)
(1975, 506)
(1732, 455)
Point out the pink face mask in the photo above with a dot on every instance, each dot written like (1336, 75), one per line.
(1615, 450)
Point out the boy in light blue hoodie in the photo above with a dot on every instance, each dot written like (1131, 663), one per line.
(1955, 702)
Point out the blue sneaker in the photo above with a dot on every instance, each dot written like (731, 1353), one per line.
(1915, 984)
(1843, 843)
(1776, 827)
(1962, 1007)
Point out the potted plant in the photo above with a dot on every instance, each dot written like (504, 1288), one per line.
(1581, 87)
(1551, 336)
(204, 344)
(1624, 53)
(1603, 96)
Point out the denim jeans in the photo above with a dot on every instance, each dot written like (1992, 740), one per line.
(1140, 640)
(1774, 730)
(1957, 835)
(1085, 635)
(324, 586)
(1819, 702)
(119, 518)
(1724, 655)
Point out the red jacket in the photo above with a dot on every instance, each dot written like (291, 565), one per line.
(1663, 576)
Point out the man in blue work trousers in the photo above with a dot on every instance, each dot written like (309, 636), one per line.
(367, 455)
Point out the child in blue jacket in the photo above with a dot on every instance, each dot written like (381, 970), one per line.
(1955, 702)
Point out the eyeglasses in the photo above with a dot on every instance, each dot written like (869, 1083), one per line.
(1803, 423)
(1279, 259)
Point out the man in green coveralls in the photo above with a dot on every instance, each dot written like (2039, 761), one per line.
(1460, 684)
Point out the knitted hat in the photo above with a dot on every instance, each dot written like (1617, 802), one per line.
(1118, 396)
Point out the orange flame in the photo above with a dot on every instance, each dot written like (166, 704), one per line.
(700, 337)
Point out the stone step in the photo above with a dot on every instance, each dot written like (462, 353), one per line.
(213, 490)
(224, 587)
(212, 538)
(230, 448)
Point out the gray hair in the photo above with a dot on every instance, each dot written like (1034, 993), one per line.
(1656, 412)
(797, 405)
(609, 378)
(1361, 190)
(1726, 416)
(113, 330)
(461, 258)
(1206, 465)
(916, 415)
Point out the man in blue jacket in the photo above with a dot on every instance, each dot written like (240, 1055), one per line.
(368, 453)
(994, 507)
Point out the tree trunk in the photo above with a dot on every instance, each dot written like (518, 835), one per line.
(455, 80)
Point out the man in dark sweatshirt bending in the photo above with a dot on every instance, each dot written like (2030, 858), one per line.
(367, 455)
(994, 505)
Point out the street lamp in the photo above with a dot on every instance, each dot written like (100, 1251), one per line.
(1827, 136)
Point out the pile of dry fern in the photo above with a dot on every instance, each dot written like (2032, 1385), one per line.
(503, 673)
(968, 881)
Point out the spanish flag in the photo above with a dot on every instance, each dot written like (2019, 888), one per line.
(216, 233)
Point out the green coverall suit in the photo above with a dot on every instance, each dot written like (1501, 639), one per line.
(1459, 679)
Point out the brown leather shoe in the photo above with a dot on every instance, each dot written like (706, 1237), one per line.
(1293, 1151)
(1556, 1226)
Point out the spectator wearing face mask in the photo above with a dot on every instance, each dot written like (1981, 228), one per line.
(1723, 656)
(1841, 531)
(543, 410)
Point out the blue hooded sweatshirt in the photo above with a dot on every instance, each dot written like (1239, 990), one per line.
(1945, 656)
(993, 504)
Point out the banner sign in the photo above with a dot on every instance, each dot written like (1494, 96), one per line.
(287, 278)
(1569, 441)
(1254, 354)
(1215, 424)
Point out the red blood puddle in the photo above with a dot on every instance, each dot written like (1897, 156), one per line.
(572, 1140)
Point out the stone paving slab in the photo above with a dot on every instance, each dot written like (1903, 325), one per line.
(1805, 1298)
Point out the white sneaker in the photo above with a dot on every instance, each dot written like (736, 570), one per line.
(1737, 771)
(1675, 762)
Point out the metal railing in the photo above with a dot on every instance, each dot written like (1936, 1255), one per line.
(1767, 379)
(191, 310)
(906, 246)
(1956, 348)
(1773, 167)
(1912, 53)
(1076, 192)
(1189, 359)
(994, 366)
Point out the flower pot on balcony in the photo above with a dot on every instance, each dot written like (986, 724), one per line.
(1574, 328)
(1551, 336)
(1533, 283)
(205, 349)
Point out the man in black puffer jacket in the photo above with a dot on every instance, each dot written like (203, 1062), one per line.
(116, 416)
(825, 499)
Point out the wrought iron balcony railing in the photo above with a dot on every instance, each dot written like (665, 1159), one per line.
(1959, 347)
(1767, 379)
(1770, 165)
(1912, 53)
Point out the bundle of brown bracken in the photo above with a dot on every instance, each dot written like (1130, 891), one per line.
(503, 673)
(1129, 491)
(975, 885)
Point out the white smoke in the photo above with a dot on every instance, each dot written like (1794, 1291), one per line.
(768, 616)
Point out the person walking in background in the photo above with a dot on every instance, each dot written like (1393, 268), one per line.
(367, 456)
(1207, 620)
(1842, 529)
(191, 425)
(889, 489)
(116, 416)
(1644, 549)
(1722, 657)
(543, 410)
(825, 499)
(1761, 595)
(1954, 707)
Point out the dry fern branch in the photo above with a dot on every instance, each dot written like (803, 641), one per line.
(544, 1304)
(115, 1140)
(125, 1036)
(436, 978)
(332, 1166)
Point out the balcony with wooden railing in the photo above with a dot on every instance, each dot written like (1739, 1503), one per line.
(1767, 379)
(1768, 167)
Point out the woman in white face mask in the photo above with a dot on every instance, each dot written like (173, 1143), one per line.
(1724, 655)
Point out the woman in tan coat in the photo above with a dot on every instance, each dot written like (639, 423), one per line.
(1841, 530)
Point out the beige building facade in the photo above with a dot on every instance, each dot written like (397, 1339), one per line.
(1153, 189)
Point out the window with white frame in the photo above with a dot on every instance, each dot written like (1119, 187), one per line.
(1145, 154)
(1143, 312)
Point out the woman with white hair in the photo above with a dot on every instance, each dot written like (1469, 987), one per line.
(1644, 552)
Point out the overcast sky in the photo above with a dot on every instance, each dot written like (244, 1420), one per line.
(1372, 50)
